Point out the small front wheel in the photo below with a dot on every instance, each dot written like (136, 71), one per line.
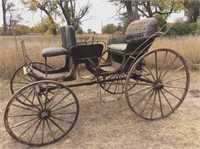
(41, 113)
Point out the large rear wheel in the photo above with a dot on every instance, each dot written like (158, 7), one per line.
(160, 85)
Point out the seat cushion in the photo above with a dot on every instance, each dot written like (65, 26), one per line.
(141, 28)
(54, 51)
(118, 47)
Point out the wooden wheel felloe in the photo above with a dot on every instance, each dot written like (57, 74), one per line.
(160, 85)
(47, 112)
(20, 77)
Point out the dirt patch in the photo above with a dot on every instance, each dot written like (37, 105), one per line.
(112, 125)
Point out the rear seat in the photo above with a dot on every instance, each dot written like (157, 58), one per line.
(137, 32)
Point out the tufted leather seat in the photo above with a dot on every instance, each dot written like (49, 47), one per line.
(137, 32)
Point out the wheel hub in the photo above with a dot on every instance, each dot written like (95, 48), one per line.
(158, 85)
(45, 114)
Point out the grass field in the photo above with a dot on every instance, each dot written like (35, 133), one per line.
(111, 124)
(11, 53)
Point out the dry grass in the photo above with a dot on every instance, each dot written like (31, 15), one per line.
(187, 46)
(99, 126)
(11, 54)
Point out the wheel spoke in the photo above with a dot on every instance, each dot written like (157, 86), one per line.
(35, 131)
(153, 105)
(30, 101)
(111, 83)
(53, 98)
(24, 78)
(17, 82)
(169, 86)
(24, 122)
(24, 108)
(163, 64)
(29, 128)
(60, 101)
(156, 65)
(160, 101)
(56, 125)
(149, 70)
(116, 86)
(61, 119)
(22, 115)
(46, 95)
(65, 106)
(182, 77)
(43, 127)
(168, 68)
(140, 91)
(60, 113)
(37, 90)
(51, 132)
(147, 102)
(143, 98)
(174, 72)
(172, 94)
(167, 100)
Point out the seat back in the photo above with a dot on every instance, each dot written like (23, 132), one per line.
(141, 28)
(68, 36)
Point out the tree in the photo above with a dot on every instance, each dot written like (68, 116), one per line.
(10, 16)
(70, 13)
(109, 29)
(149, 8)
(47, 6)
(192, 10)
(4, 2)
(66, 9)
(45, 27)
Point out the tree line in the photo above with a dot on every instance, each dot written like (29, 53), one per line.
(68, 11)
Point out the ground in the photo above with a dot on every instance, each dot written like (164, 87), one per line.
(112, 125)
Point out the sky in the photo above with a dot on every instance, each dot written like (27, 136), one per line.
(101, 13)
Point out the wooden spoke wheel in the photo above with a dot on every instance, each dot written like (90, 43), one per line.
(20, 77)
(113, 83)
(113, 80)
(160, 85)
(52, 115)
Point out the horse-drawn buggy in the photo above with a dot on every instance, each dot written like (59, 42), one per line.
(43, 108)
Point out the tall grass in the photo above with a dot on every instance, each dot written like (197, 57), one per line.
(187, 46)
(11, 53)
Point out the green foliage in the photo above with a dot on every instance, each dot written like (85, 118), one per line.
(193, 9)
(79, 31)
(40, 28)
(109, 29)
(161, 21)
(89, 30)
(182, 29)
(21, 29)
(45, 27)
